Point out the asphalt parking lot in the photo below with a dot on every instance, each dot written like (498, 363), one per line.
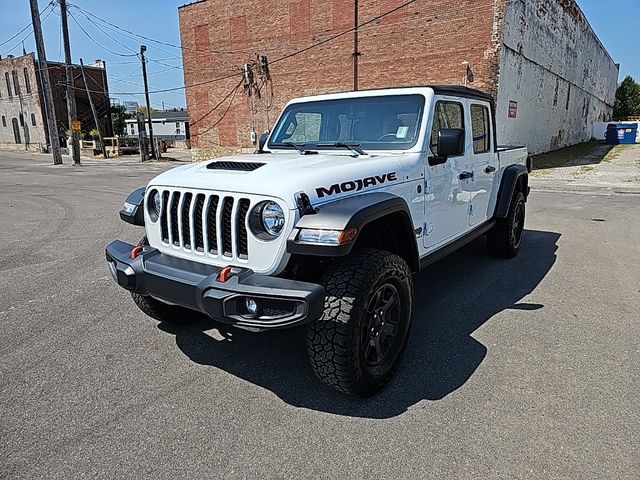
(515, 369)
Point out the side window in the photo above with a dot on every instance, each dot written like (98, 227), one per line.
(446, 115)
(481, 129)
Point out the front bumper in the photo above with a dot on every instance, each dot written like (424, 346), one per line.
(281, 302)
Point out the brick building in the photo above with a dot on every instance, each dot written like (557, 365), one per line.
(550, 75)
(23, 123)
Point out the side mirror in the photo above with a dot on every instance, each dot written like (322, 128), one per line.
(450, 142)
(262, 140)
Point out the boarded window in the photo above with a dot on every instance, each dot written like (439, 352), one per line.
(446, 115)
(21, 120)
(480, 128)
(16, 85)
(27, 82)
(6, 77)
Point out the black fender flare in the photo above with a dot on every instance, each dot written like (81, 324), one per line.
(510, 178)
(348, 213)
(136, 215)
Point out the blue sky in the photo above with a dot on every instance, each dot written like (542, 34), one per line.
(615, 22)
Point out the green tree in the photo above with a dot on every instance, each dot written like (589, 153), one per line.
(118, 117)
(143, 110)
(627, 99)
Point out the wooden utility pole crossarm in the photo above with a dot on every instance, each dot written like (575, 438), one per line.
(46, 84)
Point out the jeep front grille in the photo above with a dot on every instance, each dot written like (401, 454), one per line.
(203, 222)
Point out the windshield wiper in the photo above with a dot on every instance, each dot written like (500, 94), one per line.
(300, 148)
(354, 147)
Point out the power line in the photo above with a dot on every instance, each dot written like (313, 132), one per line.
(153, 39)
(224, 114)
(26, 26)
(52, 8)
(217, 105)
(98, 44)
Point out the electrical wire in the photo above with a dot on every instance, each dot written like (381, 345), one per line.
(224, 114)
(20, 42)
(50, 4)
(217, 105)
(73, 17)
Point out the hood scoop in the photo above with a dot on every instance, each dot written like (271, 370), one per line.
(235, 166)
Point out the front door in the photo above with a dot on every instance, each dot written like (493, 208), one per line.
(16, 130)
(446, 202)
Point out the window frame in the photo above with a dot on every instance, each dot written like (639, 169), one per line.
(487, 124)
(33, 119)
(27, 82)
(462, 121)
(16, 82)
(7, 78)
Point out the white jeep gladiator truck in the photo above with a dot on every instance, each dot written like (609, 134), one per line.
(325, 224)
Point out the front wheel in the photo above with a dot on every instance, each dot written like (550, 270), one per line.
(358, 343)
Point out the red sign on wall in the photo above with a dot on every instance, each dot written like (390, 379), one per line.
(513, 109)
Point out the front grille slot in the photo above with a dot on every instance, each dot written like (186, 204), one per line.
(241, 227)
(164, 229)
(227, 207)
(197, 220)
(212, 221)
(173, 214)
(205, 224)
(186, 220)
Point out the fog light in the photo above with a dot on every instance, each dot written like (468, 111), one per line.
(251, 305)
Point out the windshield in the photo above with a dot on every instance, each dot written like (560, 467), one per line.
(376, 123)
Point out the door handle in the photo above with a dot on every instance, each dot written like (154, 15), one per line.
(466, 175)
(489, 169)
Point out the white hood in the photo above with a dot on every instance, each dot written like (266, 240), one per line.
(323, 177)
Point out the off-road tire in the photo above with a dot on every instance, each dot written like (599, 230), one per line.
(163, 311)
(335, 342)
(504, 239)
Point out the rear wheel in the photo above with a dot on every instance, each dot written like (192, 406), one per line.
(358, 343)
(504, 239)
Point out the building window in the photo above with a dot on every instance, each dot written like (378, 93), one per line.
(178, 128)
(27, 83)
(16, 130)
(21, 120)
(33, 119)
(480, 128)
(446, 115)
(4, 121)
(6, 77)
(16, 85)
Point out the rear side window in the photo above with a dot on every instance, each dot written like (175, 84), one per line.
(480, 128)
(446, 115)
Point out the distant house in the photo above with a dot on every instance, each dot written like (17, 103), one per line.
(169, 125)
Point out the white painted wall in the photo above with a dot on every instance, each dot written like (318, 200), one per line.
(555, 68)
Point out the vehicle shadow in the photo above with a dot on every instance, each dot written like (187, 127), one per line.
(454, 297)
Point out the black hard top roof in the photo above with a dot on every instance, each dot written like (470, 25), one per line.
(460, 91)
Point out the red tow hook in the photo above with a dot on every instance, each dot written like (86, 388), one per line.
(135, 251)
(225, 273)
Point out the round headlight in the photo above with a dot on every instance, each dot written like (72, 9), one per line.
(272, 218)
(155, 205)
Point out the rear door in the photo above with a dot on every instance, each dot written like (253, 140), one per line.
(446, 202)
(483, 162)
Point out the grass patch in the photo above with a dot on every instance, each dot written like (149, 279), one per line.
(582, 170)
(615, 153)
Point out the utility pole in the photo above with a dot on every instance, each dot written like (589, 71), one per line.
(46, 83)
(356, 52)
(72, 113)
(93, 110)
(143, 48)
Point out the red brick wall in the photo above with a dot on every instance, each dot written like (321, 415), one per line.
(424, 43)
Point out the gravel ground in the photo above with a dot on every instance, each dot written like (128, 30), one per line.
(525, 368)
